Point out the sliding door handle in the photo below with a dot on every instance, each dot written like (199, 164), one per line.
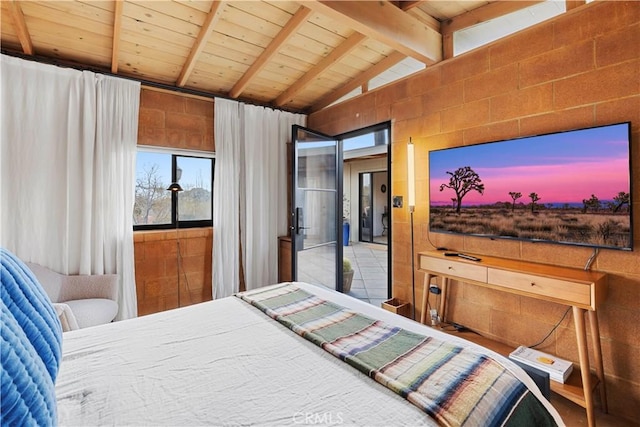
(300, 221)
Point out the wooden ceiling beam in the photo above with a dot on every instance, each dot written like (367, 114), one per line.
(336, 55)
(362, 79)
(117, 26)
(290, 28)
(209, 22)
(476, 16)
(17, 17)
(384, 22)
(483, 13)
(406, 4)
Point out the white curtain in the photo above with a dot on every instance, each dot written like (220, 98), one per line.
(261, 164)
(226, 197)
(265, 216)
(67, 169)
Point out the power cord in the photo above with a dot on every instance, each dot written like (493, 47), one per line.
(429, 239)
(433, 312)
(591, 259)
(552, 329)
(586, 268)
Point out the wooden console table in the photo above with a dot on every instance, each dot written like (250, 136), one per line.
(580, 289)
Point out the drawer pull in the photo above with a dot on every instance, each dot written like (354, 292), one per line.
(533, 283)
(450, 268)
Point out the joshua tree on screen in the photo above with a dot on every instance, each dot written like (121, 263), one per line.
(462, 181)
(593, 203)
(620, 200)
(515, 195)
(534, 198)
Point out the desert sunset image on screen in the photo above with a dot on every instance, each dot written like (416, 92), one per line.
(571, 187)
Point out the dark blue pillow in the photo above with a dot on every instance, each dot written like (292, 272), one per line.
(31, 347)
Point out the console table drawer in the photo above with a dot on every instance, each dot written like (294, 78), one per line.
(571, 292)
(456, 268)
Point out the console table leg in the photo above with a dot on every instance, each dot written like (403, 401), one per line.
(583, 355)
(597, 356)
(443, 298)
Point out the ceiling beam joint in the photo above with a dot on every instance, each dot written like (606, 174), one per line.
(384, 22)
(406, 4)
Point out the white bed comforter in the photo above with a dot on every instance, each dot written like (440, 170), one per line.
(221, 363)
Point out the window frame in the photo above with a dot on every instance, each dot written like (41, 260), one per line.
(175, 154)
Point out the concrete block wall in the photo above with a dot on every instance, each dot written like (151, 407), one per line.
(569, 72)
(156, 265)
(175, 121)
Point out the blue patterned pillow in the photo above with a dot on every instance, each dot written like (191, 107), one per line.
(31, 346)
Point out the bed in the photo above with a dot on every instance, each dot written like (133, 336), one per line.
(278, 356)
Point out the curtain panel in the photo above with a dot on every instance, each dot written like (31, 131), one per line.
(68, 146)
(250, 193)
(265, 213)
(226, 197)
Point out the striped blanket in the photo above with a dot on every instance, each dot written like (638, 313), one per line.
(452, 384)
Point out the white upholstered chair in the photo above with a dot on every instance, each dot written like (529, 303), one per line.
(81, 301)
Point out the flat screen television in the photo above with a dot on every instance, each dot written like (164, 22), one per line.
(570, 187)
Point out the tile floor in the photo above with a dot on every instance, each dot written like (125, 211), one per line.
(368, 260)
(369, 263)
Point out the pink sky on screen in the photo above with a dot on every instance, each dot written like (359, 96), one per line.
(552, 183)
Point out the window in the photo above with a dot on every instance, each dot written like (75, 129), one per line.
(374, 142)
(485, 32)
(155, 207)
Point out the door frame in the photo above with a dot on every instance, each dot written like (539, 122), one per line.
(339, 196)
(370, 129)
(338, 203)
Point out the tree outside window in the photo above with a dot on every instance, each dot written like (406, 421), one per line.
(154, 207)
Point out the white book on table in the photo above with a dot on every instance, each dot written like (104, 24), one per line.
(558, 369)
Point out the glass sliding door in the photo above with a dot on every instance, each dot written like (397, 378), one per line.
(317, 198)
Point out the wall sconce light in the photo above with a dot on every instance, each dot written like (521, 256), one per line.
(411, 176)
(411, 200)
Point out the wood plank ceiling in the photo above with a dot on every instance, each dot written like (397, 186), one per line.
(295, 55)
